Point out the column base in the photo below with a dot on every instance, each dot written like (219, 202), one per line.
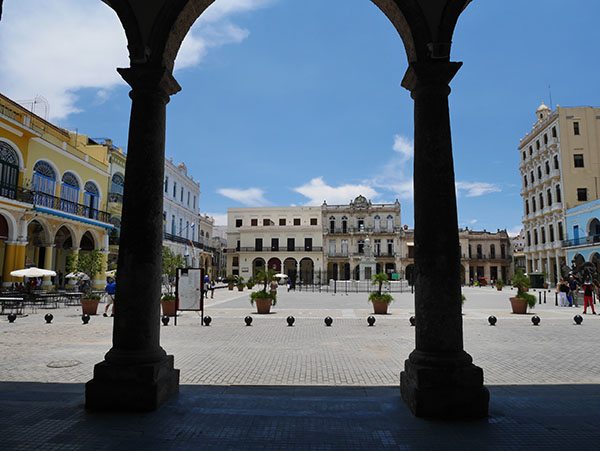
(131, 388)
(444, 392)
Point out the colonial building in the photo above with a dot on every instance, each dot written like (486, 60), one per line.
(53, 194)
(345, 229)
(286, 239)
(560, 158)
(517, 245)
(483, 254)
(583, 230)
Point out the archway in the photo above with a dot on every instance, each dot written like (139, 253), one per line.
(257, 265)
(594, 230)
(63, 247)
(37, 241)
(307, 270)
(289, 267)
(155, 30)
(332, 271)
(595, 259)
(274, 264)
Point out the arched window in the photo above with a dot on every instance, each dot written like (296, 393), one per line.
(558, 197)
(43, 183)
(91, 197)
(555, 161)
(331, 224)
(115, 233)
(344, 224)
(9, 170)
(69, 192)
(390, 223)
(533, 204)
(541, 201)
(547, 167)
(118, 182)
(492, 251)
(526, 207)
(525, 181)
(549, 196)
(377, 223)
(479, 251)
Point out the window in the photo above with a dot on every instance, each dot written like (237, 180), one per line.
(344, 247)
(377, 248)
(188, 198)
(539, 171)
(267, 222)
(543, 235)
(537, 145)
(253, 222)
(492, 251)
(332, 225)
(118, 183)
(291, 244)
(576, 128)
(296, 221)
(308, 244)
(524, 155)
(91, 196)
(194, 204)
(545, 138)
(173, 227)
(258, 244)
(332, 247)
(282, 221)
(69, 192)
(556, 162)
(360, 224)
(558, 197)
(528, 238)
(235, 261)
(238, 222)
(479, 251)
(181, 195)
(551, 230)
(549, 196)
(554, 135)
(533, 204)
(560, 231)
(390, 223)
(174, 189)
(377, 223)
(237, 245)
(275, 244)
(344, 224)
(535, 237)
(411, 252)
(180, 226)
(187, 229)
(541, 201)
(578, 160)
(361, 246)
(526, 207)
(44, 179)
(547, 168)
(531, 179)
(525, 181)
(503, 251)
(530, 150)
(470, 252)
(9, 168)
(582, 194)
(313, 221)
(166, 184)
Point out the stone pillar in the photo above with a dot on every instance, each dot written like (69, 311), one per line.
(9, 263)
(48, 259)
(439, 379)
(137, 374)
(548, 269)
(558, 273)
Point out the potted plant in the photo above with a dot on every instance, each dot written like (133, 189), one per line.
(231, 279)
(263, 298)
(499, 284)
(380, 301)
(240, 284)
(250, 283)
(168, 304)
(90, 264)
(523, 299)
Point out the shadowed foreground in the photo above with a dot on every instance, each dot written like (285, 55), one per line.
(51, 416)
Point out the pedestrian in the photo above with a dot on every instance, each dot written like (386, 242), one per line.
(212, 288)
(289, 284)
(110, 289)
(274, 286)
(572, 291)
(562, 289)
(588, 296)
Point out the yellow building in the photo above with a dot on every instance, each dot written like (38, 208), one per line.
(53, 194)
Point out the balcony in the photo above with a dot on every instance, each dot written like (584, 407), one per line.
(486, 257)
(582, 241)
(116, 198)
(188, 242)
(280, 249)
(362, 230)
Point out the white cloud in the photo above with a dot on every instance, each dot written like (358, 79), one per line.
(396, 174)
(220, 218)
(251, 197)
(404, 146)
(476, 189)
(56, 48)
(317, 191)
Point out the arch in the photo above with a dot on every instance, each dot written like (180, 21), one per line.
(7, 142)
(45, 229)
(69, 192)
(258, 264)
(275, 264)
(11, 225)
(65, 237)
(593, 229)
(91, 199)
(87, 242)
(307, 270)
(578, 260)
(595, 259)
(117, 183)
(289, 267)
(44, 182)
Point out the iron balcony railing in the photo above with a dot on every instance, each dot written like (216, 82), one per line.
(582, 241)
(280, 249)
(381, 230)
(182, 240)
(115, 198)
(56, 203)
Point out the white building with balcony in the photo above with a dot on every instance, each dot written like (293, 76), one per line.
(560, 168)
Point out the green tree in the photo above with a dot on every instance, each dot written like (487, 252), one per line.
(170, 263)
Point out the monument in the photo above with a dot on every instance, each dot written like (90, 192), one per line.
(366, 265)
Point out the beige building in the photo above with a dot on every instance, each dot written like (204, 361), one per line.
(286, 239)
(345, 229)
(560, 168)
(483, 254)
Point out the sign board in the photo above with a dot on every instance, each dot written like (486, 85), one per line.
(189, 289)
(395, 276)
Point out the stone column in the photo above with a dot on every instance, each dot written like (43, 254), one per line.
(137, 374)
(9, 263)
(48, 260)
(439, 378)
(558, 273)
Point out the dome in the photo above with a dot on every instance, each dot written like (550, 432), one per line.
(542, 107)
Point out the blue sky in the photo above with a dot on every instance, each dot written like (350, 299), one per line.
(288, 102)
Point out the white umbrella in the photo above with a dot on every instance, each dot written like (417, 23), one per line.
(32, 272)
(281, 276)
(112, 273)
(77, 275)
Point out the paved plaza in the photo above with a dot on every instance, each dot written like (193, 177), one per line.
(311, 386)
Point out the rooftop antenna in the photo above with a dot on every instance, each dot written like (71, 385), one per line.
(550, 94)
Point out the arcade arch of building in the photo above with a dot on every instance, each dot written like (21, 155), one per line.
(439, 379)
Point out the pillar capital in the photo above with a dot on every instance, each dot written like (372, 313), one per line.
(422, 74)
(147, 80)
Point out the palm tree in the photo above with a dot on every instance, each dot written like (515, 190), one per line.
(379, 279)
(265, 276)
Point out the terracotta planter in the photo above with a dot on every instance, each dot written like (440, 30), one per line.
(240, 288)
(499, 288)
(168, 308)
(519, 306)
(263, 306)
(89, 306)
(230, 287)
(380, 307)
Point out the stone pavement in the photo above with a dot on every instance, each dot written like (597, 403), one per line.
(320, 387)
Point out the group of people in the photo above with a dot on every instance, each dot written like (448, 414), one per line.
(567, 290)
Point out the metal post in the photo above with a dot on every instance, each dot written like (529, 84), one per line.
(544, 297)
(556, 299)
(539, 297)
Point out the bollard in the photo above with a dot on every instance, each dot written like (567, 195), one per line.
(328, 321)
(371, 320)
(578, 319)
(49, 317)
(492, 320)
(556, 299)
(544, 297)
(207, 320)
(412, 320)
(248, 320)
(535, 320)
(85, 318)
(290, 321)
(11, 317)
(539, 297)
(165, 320)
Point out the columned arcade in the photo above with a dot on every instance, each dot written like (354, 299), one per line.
(439, 378)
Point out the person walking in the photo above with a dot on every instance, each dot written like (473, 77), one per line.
(562, 289)
(571, 295)
(588, 296)
(111, 290)
(273, 287)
